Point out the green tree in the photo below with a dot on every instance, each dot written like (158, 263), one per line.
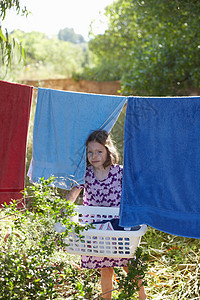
(153, 46)
(6, 43)
(69, 35)
(46, 57)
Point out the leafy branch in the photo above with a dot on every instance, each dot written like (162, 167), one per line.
(6, 43)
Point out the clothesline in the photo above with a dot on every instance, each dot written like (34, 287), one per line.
(48, 88)
(130, 97)
(161, 150)
(133, 97)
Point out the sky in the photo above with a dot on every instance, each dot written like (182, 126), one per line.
(49, 16)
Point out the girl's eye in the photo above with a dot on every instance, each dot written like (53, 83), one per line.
(99, 151)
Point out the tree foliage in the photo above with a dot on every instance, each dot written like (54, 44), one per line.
(6, 43)
(46, 57)
(69, 35)
(8, 4)
(153, 46)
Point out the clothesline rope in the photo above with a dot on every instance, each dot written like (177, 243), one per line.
(128, 97)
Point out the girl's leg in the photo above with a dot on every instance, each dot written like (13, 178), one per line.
(142, 295)
(106, 282)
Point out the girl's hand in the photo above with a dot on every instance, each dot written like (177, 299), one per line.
(73, 194)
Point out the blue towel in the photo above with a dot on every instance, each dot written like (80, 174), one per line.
(161, 179)
(63, 121)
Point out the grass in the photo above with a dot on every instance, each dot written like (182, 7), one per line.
(174, 266)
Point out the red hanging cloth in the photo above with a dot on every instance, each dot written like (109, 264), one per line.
(15, 105)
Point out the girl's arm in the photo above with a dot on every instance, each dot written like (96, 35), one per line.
(73, 194)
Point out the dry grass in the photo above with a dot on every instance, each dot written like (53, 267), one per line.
(174, 266)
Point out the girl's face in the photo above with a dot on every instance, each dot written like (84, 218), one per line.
(97, 154)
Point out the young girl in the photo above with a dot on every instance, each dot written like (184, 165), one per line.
(103, 184)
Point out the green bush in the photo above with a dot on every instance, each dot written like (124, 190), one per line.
(26, 268)
(30, 267)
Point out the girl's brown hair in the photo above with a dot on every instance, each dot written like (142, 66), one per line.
(102, 137)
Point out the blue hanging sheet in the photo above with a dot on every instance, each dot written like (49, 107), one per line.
(161, 179)
(63, 121)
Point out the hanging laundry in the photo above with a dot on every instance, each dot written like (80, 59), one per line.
(63, 121)
(161, 179)
(15, 104)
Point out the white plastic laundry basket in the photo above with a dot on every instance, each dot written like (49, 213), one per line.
(109, 243)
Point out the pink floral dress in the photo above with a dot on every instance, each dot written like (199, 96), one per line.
(105, 192)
